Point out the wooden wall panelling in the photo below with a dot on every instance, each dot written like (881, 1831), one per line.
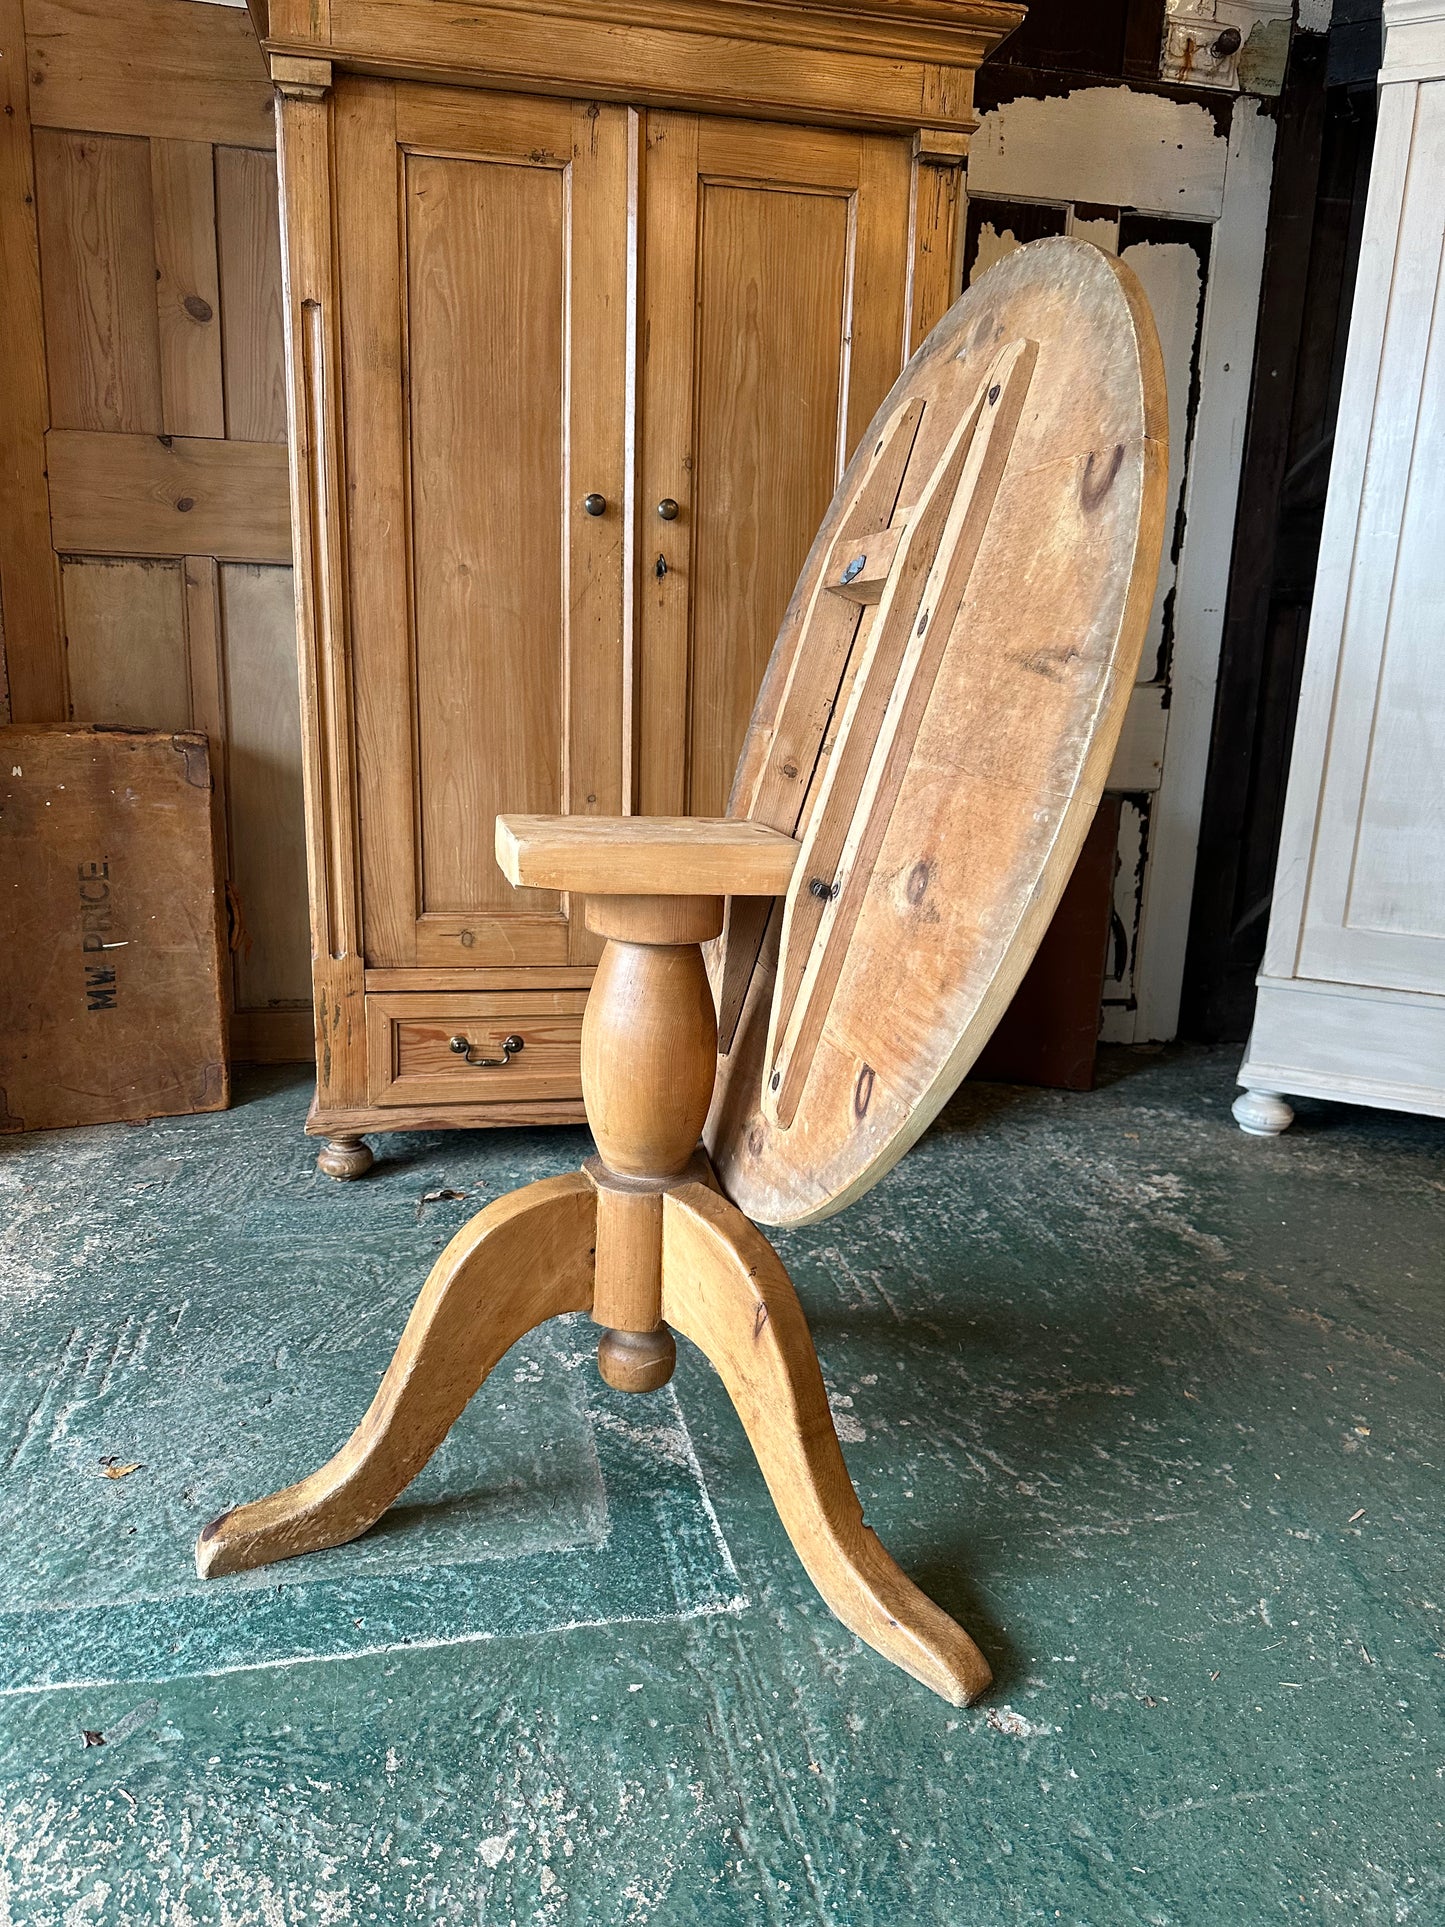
(31, 635)
(148, 67)
(125, 639)
(144, 495)
(263, 770)
(158, 302)
(314, 442)
(241, 634)
(995, 226)
(1171, 259)
(248, 240)
(187, 287)
(205, 656)
(1104, 146)
(102, 330)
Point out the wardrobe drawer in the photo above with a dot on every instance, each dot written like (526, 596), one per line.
(424, 1049)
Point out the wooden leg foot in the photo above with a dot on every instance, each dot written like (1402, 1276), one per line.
(637, 1361)
(724, 1287)
(523, 1260)
(345, 1157)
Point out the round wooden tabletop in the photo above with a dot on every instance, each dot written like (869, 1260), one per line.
(937, 723)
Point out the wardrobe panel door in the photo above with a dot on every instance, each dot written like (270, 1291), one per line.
(774, 294)
(484, 254)
(484, 305)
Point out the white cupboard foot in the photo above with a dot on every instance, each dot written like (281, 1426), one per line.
(1262, 1114)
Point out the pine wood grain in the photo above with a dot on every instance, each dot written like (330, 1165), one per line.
(248, 241)
(268, 851)
(187, 294)
(32, 645)
(149, 67)
(411, 1060)
(102, 332)
(645, 855)
(525, 1259)
(125, 643)
(724, 1287)
(878, 67)
(772, 275)
(313, 443)
(182, 495)
(483, 587)
(774, 306)
(485, 282)
(478, 644)
(1004, 763)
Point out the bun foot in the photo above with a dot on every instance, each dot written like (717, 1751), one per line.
(1261, 1113)
(345, 1157)
(637, 1361)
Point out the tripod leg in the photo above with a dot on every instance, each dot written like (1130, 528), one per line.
(724, 1287)
(521, 1261)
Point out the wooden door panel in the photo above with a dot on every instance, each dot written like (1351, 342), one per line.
(484, 294)
(775, 295)
(772, 274)
(1374, 905)
(484, 398)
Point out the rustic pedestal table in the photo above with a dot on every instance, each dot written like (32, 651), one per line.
(927, 751)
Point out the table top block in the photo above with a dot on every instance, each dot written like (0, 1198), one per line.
(655, 856)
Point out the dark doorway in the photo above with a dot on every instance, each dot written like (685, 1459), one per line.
(1322, 166)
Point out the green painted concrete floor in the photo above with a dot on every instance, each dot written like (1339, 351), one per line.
(1156, 1409)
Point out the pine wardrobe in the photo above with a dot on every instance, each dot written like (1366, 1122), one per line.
(586, 307)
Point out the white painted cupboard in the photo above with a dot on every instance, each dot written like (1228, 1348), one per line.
(1352, 993)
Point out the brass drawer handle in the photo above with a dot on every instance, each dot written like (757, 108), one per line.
(510, 1046)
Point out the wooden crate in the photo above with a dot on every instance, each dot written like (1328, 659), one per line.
(112, 1003)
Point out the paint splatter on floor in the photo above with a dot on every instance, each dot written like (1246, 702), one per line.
(1156, 1409)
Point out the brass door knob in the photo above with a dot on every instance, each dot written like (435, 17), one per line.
(667, 509)
(595, 504)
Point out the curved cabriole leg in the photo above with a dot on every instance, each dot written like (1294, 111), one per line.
(724, 1287)
(523, 1260)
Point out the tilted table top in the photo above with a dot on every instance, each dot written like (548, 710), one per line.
(937, 723)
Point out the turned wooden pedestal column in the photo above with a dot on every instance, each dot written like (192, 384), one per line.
(649, 1055)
